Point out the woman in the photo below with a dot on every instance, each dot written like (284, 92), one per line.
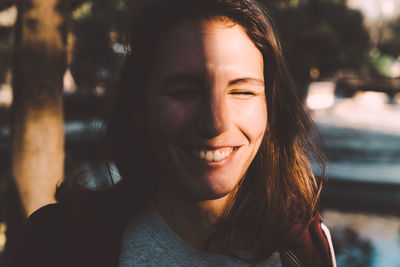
(212, 147)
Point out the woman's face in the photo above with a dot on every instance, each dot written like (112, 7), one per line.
(206, 108)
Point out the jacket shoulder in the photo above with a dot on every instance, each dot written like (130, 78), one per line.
(55, 236)
(47, 216)
(313, 247)
(41, 237)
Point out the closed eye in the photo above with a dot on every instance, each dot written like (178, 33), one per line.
(182, 93)
(243, 93)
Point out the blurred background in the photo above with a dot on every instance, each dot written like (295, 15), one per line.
(59, 64)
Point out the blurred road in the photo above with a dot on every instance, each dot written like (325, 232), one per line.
(362, 140)
(362, 137)
(361, 200)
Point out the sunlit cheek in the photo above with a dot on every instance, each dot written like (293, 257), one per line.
(251, 117)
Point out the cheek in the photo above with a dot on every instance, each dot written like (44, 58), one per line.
(169, 117)
(251, 118)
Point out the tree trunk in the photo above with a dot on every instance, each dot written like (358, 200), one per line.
(37, 119)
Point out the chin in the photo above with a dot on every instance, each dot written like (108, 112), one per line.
(214, 191)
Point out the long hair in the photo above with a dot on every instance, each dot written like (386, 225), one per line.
(279, 189)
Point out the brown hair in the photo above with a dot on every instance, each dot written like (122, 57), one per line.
(279, 189)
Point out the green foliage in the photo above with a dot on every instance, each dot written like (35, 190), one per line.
(389, 42)
(322, 34)
(82, 11)
(382, 65)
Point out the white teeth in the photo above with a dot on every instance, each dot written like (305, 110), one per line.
(209, 156)
(217, 156)
(213, 155)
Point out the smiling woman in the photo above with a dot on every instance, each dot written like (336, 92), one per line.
(208, 128)
(213, 149)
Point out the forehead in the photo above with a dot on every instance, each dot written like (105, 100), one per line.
(201, 45)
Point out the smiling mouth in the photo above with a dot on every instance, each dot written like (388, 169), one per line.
(214, 155)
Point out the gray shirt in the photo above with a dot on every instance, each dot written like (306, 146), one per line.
(149, 241)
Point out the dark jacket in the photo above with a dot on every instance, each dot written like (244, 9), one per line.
(53, 237)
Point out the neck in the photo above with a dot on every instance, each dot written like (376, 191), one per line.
(192, 220)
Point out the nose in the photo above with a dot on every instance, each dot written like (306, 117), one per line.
(214, 116)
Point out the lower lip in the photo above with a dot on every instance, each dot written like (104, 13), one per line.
(212, 164)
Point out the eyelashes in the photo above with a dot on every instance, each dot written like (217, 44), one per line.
(189, 93)
(183, 93)
(246, 93)
(196, 94)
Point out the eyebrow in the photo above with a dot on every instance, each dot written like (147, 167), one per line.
(182, 78)
(247, 80)
(190, 78)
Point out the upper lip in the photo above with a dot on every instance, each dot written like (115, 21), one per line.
(208, 147)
